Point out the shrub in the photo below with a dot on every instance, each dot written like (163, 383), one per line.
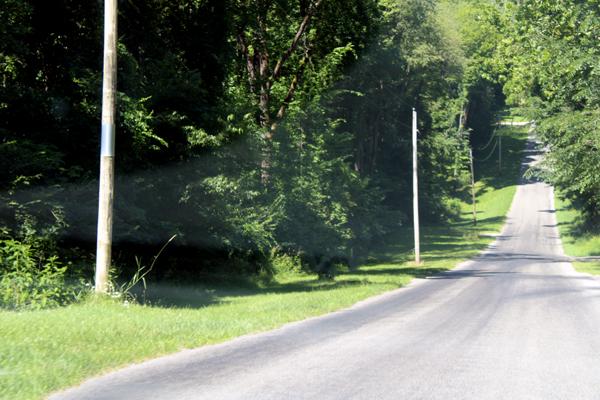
(27, 279)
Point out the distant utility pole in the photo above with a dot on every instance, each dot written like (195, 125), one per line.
(473, 186)
(416, 191)
(500, 148)
(107, 149)
(512, 124)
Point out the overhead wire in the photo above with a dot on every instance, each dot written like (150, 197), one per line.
(393, 94)
(490, 141)
(492, 152)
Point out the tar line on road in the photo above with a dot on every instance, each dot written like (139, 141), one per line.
(516, 322)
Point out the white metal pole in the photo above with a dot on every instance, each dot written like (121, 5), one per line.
(416, 191)
(500, 148)
(473, 186)
(107, 149)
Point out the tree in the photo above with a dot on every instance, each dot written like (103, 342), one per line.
(244, 126)
(552, 55)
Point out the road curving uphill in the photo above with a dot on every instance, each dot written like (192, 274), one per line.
(516, 322)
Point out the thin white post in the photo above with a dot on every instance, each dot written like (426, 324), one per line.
(500, 148)
(473, 186)
(107, 149)
(416, 191)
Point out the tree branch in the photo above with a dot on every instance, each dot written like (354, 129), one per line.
(249, 61)
(292, 47)
(294, 84)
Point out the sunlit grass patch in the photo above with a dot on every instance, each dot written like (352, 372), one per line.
(589, 267)
(495, 191)
(577, 242)
(512, 115)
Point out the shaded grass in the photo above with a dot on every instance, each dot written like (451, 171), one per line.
(45, 351)
(513, 146)
(576, 239)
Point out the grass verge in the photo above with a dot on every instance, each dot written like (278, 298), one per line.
(49, 350)
(576, 239)
(494, 187)
(45, 351)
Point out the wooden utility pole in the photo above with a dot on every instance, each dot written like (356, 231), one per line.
(500, 148)
(107, 149)
(416, 191)
(473, 186)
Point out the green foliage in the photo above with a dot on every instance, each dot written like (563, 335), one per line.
(415, 62)
(471, 25)
(28, 279)
(14, 15)
(239, 128)
(278, 51)
(124, 292)
(285, 264)
(579, 234)
(552, 53)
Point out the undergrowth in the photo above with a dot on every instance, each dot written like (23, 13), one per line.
(28, 279)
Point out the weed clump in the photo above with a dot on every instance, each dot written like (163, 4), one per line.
(28, 279)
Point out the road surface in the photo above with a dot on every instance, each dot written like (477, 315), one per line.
(517, 322)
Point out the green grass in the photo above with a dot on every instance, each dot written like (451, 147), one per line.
(42, 352)
(512, 114)
(494, 192)
(45, 351)
(577, 241)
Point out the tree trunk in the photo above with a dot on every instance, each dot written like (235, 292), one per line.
(376, 131)
(360, 151)
(259, 73)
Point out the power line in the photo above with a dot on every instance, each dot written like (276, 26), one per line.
(490, 141)
(485, 159)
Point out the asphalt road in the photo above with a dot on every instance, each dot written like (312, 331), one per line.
(517, 322)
